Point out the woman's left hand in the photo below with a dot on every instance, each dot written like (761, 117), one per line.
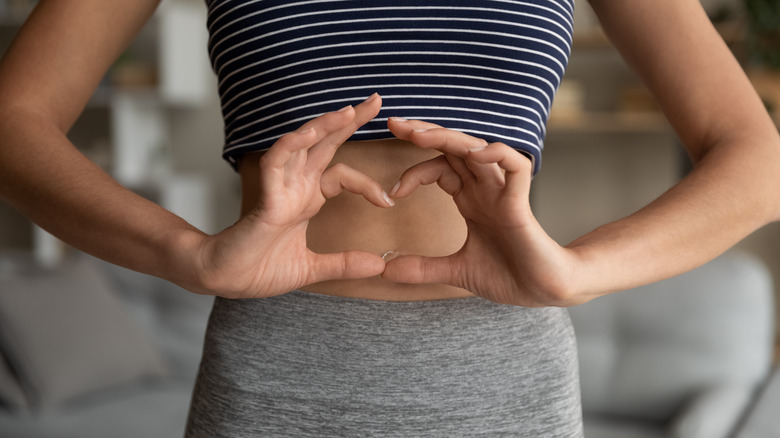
(507, 256)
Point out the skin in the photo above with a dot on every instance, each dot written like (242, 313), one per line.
(473, 234)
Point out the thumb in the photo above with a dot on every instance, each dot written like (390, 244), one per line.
(346, 265)
(420, 269)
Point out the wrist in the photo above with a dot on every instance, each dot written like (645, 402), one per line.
(550, 274)
(579, 282)
(182, 263)
(600, 268)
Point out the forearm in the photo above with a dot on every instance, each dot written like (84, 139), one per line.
(47, 179)
(46, 78)
(732, 191)
(717, 115)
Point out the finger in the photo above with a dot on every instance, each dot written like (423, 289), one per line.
(286, 152)
(346, 265)
(341, 177)
(274, 161)
(321, 154)
(307, 136)
(460, 167)
(429, 135)
(436, 170)
(403, 128)
(484, 172)
(419, 269)
(518, 168)
(278, 155)
(453, 142)
(329, 122)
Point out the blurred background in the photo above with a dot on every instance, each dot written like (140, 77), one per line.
(155, 125)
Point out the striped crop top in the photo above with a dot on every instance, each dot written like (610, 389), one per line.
(489, 68)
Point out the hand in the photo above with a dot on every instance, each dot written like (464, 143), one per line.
(507, 257)
(265, 252)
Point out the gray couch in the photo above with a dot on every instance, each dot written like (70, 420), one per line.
(762, 419)
(104, 352)
(679, 358)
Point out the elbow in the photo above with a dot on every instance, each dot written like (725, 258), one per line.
(773, 182)
(772, 200)
(775, 216)
(767, 209)
(751, 166)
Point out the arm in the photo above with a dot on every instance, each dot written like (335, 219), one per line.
(46, 79)
(732, 191)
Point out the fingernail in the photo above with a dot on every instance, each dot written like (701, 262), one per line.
(387, 199)
(372, 97)
(346, 108)
(481, 147)
(398, 119)
(395, 188)
(390, 255)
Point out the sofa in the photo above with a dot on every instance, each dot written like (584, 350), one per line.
(92, 350)
(684, 357)
(761, 420)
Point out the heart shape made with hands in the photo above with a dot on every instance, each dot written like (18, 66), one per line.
(505, 250)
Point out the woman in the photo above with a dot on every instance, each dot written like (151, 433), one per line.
(382, 334)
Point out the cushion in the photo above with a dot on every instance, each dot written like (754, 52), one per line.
(65, 334)
(176, 318)
(647, 352)
(11, 395)
(151, 411)
(611, 427)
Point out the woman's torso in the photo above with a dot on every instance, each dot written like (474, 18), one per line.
(488, 68)
(426, 223)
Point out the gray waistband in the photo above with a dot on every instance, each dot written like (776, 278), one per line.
(305, 364)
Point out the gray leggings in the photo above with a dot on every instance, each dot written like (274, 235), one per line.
(310, 365)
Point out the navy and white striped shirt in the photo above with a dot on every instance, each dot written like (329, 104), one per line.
(489, 68)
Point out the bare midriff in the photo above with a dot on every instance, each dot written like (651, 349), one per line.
(425, 223)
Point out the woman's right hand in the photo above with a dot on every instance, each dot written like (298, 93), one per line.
(265, 252)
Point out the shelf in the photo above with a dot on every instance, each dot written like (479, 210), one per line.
(594, 39)
(732, 33)
(104, 95)
(609, 122)
(617, 123)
